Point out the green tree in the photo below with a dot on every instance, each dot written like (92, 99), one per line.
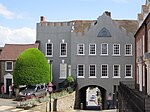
(31, 68)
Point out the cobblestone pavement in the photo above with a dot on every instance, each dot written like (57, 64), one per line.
(8, 105)
(14, 109)
(112, 110)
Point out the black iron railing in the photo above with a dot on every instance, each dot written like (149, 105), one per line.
(132, 101)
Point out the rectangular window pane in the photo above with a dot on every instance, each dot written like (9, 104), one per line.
(116, 70)
(104, 48)
(128, 49)
(9, 66)
(92, 49)
(92, 70)
(49, 47)
(63, 47)
(80, 70)
(116, 49)
(80, 49)
(63, 70)
(128, 70)
(104, 70)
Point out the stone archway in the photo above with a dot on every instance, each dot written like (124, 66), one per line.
(8, 79)
(82, 97)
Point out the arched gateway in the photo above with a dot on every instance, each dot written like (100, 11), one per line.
(84, 94)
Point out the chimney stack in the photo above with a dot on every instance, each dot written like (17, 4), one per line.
(42, 19)
(108, 13)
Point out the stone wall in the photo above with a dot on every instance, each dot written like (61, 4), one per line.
(65, 103)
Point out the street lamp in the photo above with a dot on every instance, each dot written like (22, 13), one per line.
(50, 89)
(50, 85)
(50, 62)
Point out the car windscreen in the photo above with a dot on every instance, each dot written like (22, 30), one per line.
(31, 87)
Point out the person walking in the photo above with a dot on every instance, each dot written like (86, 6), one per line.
(2, 90)
(10, 90)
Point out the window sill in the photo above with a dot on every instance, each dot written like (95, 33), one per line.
(116, 55)
(80, 77)
(92, 77)
(48, 55)
(80, 54)
(8, 70)
(103, 54)
(104, 77)
(128, 77)
(63, 56)
(92, 54)
(116, 77)
(128, 55)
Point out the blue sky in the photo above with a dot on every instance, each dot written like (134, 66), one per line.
(18, 18)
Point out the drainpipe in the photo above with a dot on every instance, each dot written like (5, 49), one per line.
(146, 50)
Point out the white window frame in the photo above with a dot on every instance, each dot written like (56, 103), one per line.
(118, 71)
(102, 71)
(51, 49)
(61, 49)
(126, 50)
(6, 69)
(78, 48)
(102, 48)
(65, 71)
(78, 71)
(131, 71)
(90, 71)
(114, 54)
(90, 48)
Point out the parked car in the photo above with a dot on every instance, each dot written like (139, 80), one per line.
(33, 91)
(92, 98)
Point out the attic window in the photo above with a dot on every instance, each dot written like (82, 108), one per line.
(104, 33)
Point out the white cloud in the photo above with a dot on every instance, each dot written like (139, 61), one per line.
(17, 36)
(5, 12)
(120, 1)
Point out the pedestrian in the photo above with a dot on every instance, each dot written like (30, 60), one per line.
(2, 90)
(13, 89)
(10, 90)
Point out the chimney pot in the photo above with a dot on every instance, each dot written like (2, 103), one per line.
(42, 19)
(108, 13)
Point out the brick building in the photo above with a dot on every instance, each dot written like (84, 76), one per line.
(136, 98)
(8, 57)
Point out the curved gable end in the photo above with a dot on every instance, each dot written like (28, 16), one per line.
(104, 33)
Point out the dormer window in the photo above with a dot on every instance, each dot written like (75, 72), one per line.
(8, 66)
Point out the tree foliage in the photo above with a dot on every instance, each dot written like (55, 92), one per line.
(70, 79)
(31, 68)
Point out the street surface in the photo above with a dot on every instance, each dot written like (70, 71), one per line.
(8, 105)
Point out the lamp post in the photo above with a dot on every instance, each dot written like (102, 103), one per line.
(50, 89)
(50, 85)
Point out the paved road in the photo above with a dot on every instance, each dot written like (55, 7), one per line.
(113, 110)
(8, 105)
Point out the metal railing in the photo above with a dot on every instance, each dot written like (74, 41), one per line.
(132, 101)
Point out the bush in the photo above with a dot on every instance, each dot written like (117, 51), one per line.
(31, 68)
(70, 79)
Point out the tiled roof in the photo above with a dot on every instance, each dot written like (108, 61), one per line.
(80, 25)
(12, 51)
(129, 25)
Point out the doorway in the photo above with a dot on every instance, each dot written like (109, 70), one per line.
(8, 82)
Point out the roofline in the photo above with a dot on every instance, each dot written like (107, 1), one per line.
(21, 44)
(144, 22)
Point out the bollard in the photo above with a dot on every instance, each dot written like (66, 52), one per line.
(81, 106)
